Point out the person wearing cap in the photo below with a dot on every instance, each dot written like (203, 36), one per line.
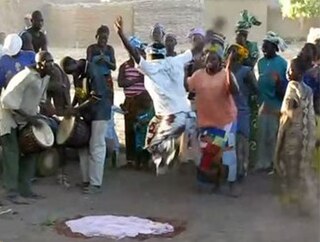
(272, 83)
(214, 87)
(34, 38)
(132, 82)
(164, 81)
(14, 59)
(19, 107)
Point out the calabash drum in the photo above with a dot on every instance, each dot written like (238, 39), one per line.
(48, 162)
(35, 139)
(73, 132)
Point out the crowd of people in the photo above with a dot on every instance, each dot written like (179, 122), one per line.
(229, 121)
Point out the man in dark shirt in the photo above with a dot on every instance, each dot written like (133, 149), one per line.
(33, 38)
(92, 165)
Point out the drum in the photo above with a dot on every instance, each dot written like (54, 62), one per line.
(73, 132)
(47, 163)
(35, 139)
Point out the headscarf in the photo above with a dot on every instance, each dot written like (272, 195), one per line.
(161, 27)
(243, 52)
(137, 43)
(196, 31)
(217, 49)
(156, 49)
(247, 21)
(276, 40)
(12, 45)
(213, 37)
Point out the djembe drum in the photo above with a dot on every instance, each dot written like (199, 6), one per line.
(35, 139)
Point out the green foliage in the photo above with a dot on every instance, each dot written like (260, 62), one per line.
(300, 8)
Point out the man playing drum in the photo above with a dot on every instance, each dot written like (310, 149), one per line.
(58, 103)
(87, 80)
(19, 107)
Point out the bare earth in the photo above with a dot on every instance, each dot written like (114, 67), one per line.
(256, 216)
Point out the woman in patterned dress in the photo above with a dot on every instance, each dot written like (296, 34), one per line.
(296, 140)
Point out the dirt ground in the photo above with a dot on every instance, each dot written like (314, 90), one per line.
(255, 216)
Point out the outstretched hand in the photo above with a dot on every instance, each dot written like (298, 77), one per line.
(118, 24)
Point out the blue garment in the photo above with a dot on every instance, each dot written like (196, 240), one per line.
(9, 66)
(242, 101)
(102, 68)
(267, 85)
(101, 110)
(312, 79)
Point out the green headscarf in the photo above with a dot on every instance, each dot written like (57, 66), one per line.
(247, 21)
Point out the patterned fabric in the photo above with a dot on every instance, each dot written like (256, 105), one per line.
(312, 79)
(277, 40)
(130, 74)
(137, 43)
(161, 135)
(214, 143)
(295, 145)
(254, 108)
(242, 51)
(247, 21)
(141, 128)
(9, 66)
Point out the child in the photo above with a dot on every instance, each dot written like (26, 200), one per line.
(141, 126)
(112, 140)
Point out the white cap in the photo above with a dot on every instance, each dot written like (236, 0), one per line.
(12, 45)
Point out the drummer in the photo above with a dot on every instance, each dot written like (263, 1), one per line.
(19, 107)
(87, 80)
(57, 104)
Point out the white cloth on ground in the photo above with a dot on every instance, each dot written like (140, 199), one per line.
(117, 227)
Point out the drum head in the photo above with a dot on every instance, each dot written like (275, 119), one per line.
(65, 130)
(43, 134)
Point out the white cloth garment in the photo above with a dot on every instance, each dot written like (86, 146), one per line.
(92, 159)
(24, 92)
(12, 45)
(164, 81)
(117, 227)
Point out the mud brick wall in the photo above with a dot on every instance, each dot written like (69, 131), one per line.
(178, 17)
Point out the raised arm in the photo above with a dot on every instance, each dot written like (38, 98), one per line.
(231, 79)
(132, 51)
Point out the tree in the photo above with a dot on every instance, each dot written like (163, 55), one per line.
(300, 8)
